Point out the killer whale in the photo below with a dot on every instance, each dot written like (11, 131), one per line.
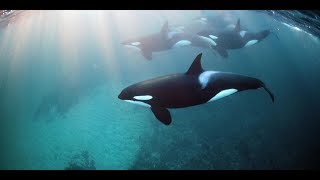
(235, 39)
(194, 87)
(164, 40)
(150, 43)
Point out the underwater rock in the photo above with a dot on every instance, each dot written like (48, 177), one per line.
(68, 92)
(60, 101)
(81, 161)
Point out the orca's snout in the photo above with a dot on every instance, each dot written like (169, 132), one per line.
(126, 94)
(121, 96)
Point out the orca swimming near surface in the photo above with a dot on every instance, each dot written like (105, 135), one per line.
(150, 43)
(235, 39)
(206, 23)
(194, 87)
(165, 40)
(215, 23)
(183, 39)
(156, 42)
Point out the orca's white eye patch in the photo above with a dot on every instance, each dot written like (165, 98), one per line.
(208, 40)
(133, 48)
(135, 43)
(144, 97)
(181, 43)
(213, 37)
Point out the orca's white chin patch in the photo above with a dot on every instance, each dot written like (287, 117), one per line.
(181, 43)
(209, 40)
(251, 42)
(223, 94)
(143, 97)
(138, 103)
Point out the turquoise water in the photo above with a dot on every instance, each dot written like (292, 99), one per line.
(61, 73)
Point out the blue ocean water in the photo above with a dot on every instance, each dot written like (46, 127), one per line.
(61, 73)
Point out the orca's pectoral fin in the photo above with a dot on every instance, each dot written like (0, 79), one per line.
(222, 52)
(213, 52)
(212, 49)
(162, 114)
(147, 55)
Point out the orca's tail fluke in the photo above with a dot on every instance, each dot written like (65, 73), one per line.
(268, 91)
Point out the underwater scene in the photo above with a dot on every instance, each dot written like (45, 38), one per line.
(159, 90)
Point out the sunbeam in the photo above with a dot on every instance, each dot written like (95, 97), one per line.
(64, 74)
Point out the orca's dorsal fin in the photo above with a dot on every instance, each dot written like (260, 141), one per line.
(195, 68)
(165, 28)
(237, 28)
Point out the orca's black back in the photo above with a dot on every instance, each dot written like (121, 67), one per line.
(222, 81)
(258, 36)
(229, 40)
(173, 91)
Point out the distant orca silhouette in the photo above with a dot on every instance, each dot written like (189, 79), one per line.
(194, 87)
(150, 43)
(206, 23)
(183, 39)
(235, 39)
(215, 23)
(156, 42)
